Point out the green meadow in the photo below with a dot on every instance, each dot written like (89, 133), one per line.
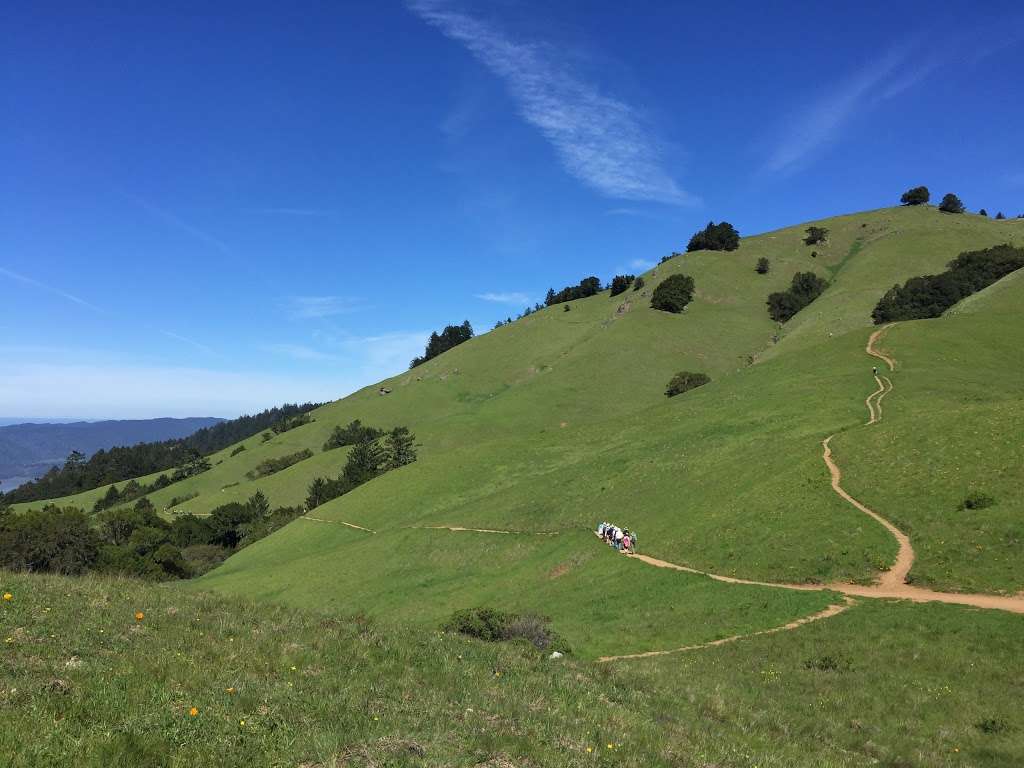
(543, 428)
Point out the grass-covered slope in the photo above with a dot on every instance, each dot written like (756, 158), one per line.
(560, 419)
(82, 682)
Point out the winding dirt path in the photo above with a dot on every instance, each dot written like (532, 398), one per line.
(832, 610)
(458, 528)
(335, 522)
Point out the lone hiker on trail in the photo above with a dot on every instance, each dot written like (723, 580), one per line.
(874, 370)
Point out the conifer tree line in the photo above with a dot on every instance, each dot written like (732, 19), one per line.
(81, 473)
(439, 343)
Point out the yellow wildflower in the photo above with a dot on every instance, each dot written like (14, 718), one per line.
(8, 596)
(139, 615)
(229, 690)
(193, 712)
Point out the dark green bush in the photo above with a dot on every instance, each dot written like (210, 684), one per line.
(673, 293)
(238, 450)
(684, 381)
(916, 196)
(763, 265)
(270, 466)
(492, 626)
(951, 204)
(638, 284)
(815, 235)
(54, 540)
(804, 289)
(977, 500)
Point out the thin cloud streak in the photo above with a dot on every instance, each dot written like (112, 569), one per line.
(598, 139)
(822, 123)
(51, 289)
(314, 307)
(186, 340)
(296, 352)
(514, 298)
(181, 224)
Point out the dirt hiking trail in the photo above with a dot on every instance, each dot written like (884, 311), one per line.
(832, 610)
(891, 584)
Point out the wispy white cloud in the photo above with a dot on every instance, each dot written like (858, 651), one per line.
(312, 307)
(599, 139)
(820, 123)
(383, 354)
(51, 289)
(179, 223)
(897, 70)
(642, 265)
(296, 352)
(186, 340)
(514, 298)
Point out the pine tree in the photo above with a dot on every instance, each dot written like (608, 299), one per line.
(363, 462)
(258, 504)
(951, 204)
(399, 448)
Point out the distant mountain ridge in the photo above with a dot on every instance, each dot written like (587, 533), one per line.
(29, 449)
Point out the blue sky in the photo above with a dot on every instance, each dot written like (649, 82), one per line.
(213, 208)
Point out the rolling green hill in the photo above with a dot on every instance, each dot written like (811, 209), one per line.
(538, 430)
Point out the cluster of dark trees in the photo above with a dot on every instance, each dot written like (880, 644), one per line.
(763, 265)
(715, 237)
(673, 293)
(290, 422)
(920, 195)
(369, 457)
(353, 432)
(815, 235)
(450, 337)
(621, 283)
(931, 295)
(134, 541)
(804, 289)
(999, 216)
(121, 463)
(589, 286)
(270, 466)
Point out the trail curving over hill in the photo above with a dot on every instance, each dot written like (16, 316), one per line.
(335, 522)
(459, 528)
(832, 610)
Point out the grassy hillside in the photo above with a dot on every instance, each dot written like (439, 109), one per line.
(85, 683)
(543, 428)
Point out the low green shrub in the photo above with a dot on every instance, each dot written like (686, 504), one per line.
(492, 626)
(270, 466)
(976, 500)
(685, 381)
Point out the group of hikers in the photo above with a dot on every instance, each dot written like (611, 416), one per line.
(622, 539)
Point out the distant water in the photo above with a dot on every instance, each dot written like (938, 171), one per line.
(10, 483)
